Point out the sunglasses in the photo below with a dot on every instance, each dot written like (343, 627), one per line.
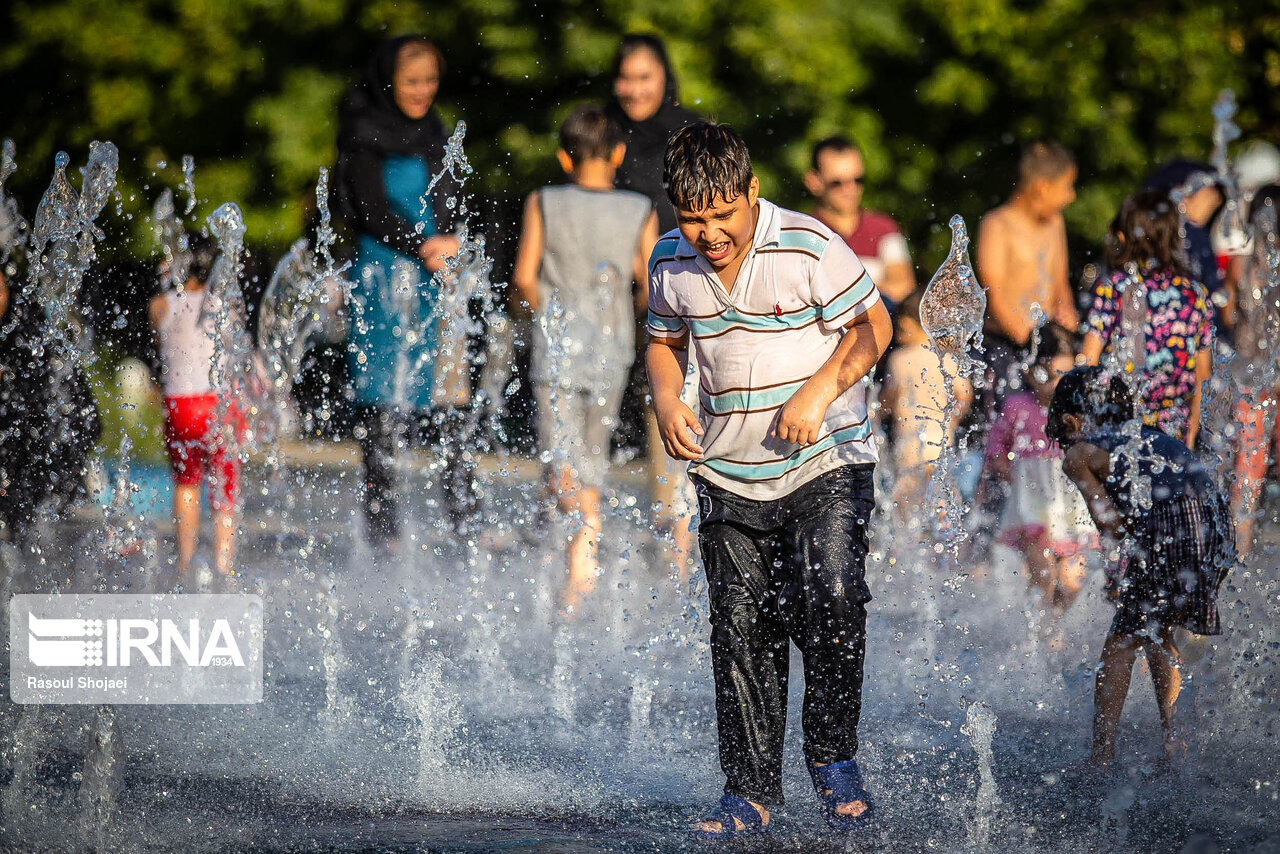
(837, 183)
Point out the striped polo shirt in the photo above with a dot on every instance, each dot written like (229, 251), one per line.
(756, 345)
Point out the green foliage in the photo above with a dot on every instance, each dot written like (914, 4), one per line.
(940, 93)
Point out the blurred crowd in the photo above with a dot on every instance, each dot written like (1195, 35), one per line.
(1184, 275)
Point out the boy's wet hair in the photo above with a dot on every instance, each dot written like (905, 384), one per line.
(1146, 229)
(204, 254)
(589, 134)
(1105, 400)
(836, 144)
(705, 161)
(1044, 158)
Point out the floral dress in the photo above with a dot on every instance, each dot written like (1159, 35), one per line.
(1178, 334)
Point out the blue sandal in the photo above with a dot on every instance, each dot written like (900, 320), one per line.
(841, 783)
(731, 807)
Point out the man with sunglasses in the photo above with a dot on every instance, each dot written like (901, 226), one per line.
(836, 179)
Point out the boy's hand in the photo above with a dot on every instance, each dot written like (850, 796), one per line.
(800, 421)
(675, 420)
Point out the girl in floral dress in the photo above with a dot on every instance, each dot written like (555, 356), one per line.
(1144, 250)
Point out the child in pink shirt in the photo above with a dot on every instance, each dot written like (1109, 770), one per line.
(1044, 518)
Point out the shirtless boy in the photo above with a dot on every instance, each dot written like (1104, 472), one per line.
(1022, 261)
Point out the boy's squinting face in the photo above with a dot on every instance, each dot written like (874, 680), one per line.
(723, 231)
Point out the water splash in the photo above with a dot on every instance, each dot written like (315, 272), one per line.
(288, 317)
(553, 323)
(120, 522)
(62, 244)
(430, 698)
(172, 240)
(454, 163)
(338, 707)
(564, 696)
(1116, 803)
(32, 737)
(233, 369)
(99, 181)
(951, 313)
(13, 228)
(101, 779)
(56, 219)
(189, 182)
(980, 727)
(325, 236)
(954, 304)
(1230, 229)
(295, 307)
(1243, 377)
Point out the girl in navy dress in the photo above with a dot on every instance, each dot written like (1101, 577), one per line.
(1151, 495)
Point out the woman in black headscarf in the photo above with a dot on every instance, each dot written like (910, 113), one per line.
(391, 146)
(644, 106)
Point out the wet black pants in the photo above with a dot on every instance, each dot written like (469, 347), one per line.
(382, 429)
(779, 571)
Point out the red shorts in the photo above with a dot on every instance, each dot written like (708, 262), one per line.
(194, 446)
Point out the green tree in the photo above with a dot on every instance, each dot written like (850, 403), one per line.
(939, 93)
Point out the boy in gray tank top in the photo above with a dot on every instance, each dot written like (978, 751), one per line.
(582, 271)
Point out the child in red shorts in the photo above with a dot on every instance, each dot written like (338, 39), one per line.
(196, 442)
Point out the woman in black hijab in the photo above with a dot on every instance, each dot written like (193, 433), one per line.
(644, 106)
(391, 146)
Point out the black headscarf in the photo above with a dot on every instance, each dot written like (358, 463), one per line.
(371, 127)
(646, 140)
(369, 119)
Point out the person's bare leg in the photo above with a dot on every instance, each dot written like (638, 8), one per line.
(224, 541)
(584, 564)
(186, 522)
(1166, 675)
(682, 548)
(1040, 572)
(582, 548)
(1111, 686)
(1068, 580)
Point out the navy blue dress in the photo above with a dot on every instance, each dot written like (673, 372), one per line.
(1180, 548)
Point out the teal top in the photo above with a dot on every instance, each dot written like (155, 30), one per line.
(391, 343)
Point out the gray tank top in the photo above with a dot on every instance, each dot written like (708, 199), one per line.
(586, 325)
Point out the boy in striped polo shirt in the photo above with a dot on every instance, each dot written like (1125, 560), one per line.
(785, 324)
